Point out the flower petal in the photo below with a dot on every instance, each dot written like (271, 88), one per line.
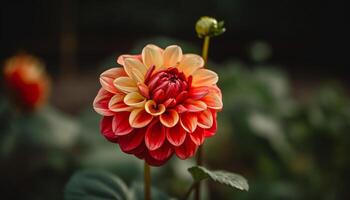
(188, 121)
(204, 77)
(125, 84)
(139, 118)
(162, 153)
(155, 136)
(176, 135)
(172, 55)
(135, 99)
(211, 132)
(194, 105)
(152, 55)
(197, 136)
(101, 102)
(213, 101)
(205, 119)
(169, 118)
(120, 123)
(106, 129)
(121, 59)
(187, 149)
(190, 63)
(107, 78)
(153, 109)
(135, 69)
(132, 141)
(198, 92)
(117, 104)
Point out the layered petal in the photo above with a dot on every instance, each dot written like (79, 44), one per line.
(188, 121)
(162, 153)
(213, 100)
(101, 102)
(187, 149)
(204, 77)
(135, 69)
(197, 136)
(120, 124)
(172, 55)
(108, 76)
(212, 130)
(121, 59)
(132, 141)
(205, 119)
(135, 99)
(106, 129)
(152, 56)
(155, 136)
(116, 103)
(153, 109)
(125, 84)
(139, 118)
(194, 105)
(169, 118)
(176, 135)
(190, 63)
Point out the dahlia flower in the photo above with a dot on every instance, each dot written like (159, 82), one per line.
(159, 103)
(26, 81)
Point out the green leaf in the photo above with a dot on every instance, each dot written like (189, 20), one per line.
(228, 178)
(96, 185)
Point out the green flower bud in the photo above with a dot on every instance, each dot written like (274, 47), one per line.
(208, 26)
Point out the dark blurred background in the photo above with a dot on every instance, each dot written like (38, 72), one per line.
(283, 69)
(72, 37)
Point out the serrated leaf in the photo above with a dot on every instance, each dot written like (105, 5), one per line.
(97, 185)
(228, 178)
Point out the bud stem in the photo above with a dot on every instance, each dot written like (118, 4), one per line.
(147, 182)
(205, 48)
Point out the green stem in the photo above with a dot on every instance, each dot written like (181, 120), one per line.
(189, 191)
(205, 48)
(147, 182)
(200, 153)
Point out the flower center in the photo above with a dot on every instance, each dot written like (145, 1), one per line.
(167, 85)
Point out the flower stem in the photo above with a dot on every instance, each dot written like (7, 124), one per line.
(205, 48)
(147, 182)
(200, 149)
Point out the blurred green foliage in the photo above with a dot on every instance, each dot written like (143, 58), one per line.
(287, 148)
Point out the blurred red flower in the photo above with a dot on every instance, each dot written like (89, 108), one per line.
(26, 81)
(159, 103)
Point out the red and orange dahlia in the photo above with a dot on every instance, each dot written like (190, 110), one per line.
(159, 103)
(27, 81)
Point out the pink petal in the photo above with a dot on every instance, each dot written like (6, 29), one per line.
(186, 150)
(197, 136)
(155, 135)
(120, 123)
(176, 135)
(106, 129)
(132, 140)
(107, 78)
(101, 102)
(189, 121)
